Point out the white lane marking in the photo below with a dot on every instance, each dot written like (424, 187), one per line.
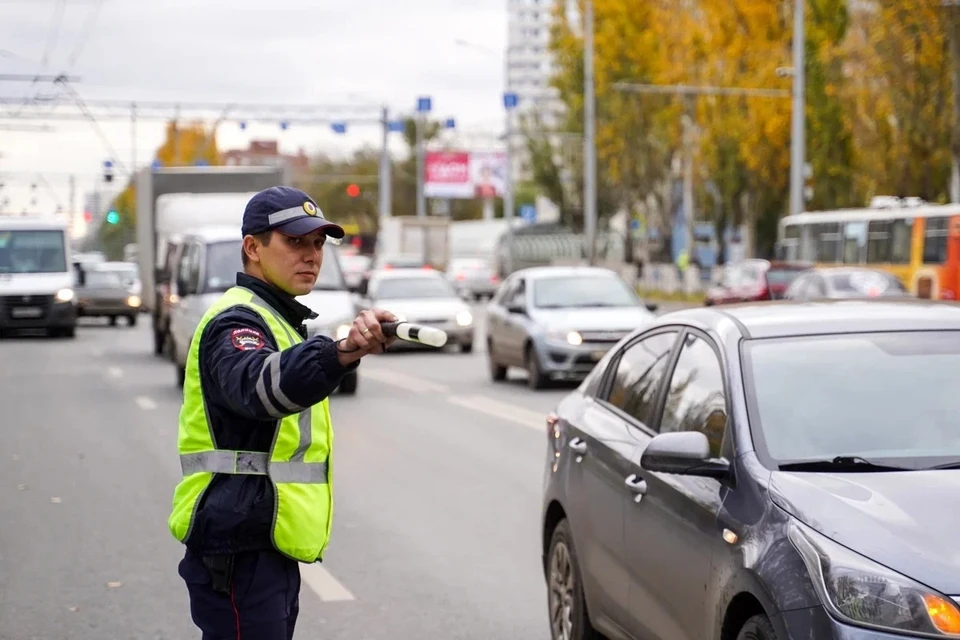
(502, 410)
(115, 372)
(146, 403)
(323, 584)
(408, 382)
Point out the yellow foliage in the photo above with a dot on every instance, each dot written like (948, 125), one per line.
(185, 145)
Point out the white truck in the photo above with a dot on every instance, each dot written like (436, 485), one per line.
(175, 200)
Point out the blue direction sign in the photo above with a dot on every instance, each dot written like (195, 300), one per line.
(339, 127)
(156, 164)
(424, 104)
(396, 126)
(528, 212)
(510, 100)
(450, 123)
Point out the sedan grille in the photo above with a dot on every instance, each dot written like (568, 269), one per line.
(603, 336)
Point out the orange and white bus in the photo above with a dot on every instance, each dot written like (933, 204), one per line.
(918, 244)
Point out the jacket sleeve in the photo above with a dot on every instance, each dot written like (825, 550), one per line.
(242, 370)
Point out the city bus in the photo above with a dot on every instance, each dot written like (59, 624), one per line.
(919, 244)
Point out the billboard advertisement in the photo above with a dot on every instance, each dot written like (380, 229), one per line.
(464, 174)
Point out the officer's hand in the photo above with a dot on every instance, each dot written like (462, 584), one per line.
(366, 334)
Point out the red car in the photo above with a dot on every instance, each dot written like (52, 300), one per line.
(754, 280)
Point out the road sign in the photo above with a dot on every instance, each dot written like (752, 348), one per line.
(528, 212)
(339, 127)
(396, 126)
(201, 163)
(424, 104)
(510, 100)
(156, 164)
(450, 123)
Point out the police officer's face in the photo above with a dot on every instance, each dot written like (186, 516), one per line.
(292, 263)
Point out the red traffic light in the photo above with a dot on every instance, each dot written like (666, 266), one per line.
(353, 190)
(87, 217)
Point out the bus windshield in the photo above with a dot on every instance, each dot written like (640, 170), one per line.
(32, 251)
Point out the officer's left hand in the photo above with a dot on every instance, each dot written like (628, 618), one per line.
(366, 334)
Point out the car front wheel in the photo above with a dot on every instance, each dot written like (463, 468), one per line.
(567, 607)
(757, 628)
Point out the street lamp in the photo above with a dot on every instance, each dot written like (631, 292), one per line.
(798, 128)
(589, 133)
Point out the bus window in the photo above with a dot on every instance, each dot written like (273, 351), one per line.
(935, 241)
(878, 241)
(854, 239)
(791, 243)
(828, 241)
(901, 241)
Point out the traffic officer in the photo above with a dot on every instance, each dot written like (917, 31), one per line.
(255, 438)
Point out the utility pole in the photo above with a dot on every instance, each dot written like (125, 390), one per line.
(385, 193)
(798, 154)
(589, 133)
(953, 7)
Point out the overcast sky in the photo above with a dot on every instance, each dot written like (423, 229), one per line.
(259, 51)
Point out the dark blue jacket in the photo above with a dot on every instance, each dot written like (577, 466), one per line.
(236, 511)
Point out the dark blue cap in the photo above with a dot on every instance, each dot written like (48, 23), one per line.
(289, 211)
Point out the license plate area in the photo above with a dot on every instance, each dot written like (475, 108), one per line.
(26, 312)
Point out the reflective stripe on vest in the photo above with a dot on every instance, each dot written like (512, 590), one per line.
(297, 464)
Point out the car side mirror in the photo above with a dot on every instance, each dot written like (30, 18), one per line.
(684, 453)
(652, 306)
(516, 308)
(362, 287)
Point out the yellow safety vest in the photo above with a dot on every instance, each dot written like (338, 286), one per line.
(298, 463)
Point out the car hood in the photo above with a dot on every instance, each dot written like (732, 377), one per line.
(331, 306)
(907, 521)
(425, 309)
(34, 283)
(593, 318)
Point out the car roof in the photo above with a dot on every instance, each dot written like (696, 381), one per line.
(788, 318)
(418, 272)
(32, 223)
(563, 270)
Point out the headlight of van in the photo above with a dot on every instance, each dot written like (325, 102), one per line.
(133, 301)
(464, 318)
(860, 591)
(64, 295)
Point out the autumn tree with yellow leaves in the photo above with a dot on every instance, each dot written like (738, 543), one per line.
(878, 103)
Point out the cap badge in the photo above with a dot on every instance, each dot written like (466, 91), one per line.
(310, 208)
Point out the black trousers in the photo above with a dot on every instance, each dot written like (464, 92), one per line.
(261, 603)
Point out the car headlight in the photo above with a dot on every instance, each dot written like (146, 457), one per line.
(864, 593)
(343, 331)
(133, 301)
(464, 318)
(64, 295)
(572, 338)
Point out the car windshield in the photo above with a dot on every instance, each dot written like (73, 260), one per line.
(557, 292)
(783, 277)
(224, 261)
(400, 288)
(869, 283)
(886, 397)
(32, 251)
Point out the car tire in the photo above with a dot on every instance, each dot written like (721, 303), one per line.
(69, 332)
(498, 372)
(757, 628)
(348, 386)
(536, 379)
(566, 605)
(132, 320)
(466, 347)
(113, 321)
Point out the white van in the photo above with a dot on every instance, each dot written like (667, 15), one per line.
(36, 277)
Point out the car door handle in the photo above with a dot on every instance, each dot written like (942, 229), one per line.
(637, 484)
(578, 445)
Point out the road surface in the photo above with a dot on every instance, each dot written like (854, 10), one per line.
(438, 476)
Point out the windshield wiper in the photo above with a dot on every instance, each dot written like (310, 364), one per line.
(949, 465)
(841, 464)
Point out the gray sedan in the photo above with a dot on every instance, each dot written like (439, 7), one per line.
(102, 293)
(558, 322)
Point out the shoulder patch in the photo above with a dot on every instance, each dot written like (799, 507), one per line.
(247, 339)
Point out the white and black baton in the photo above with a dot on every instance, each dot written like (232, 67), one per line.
(418, 333)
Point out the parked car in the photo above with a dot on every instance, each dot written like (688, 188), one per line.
(761, 472)
(844, 283)
(557, 322)
(753, 281)
(425, 297)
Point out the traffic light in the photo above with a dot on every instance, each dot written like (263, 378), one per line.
(113, 217)
(87, 217)
(108, 171)
(353, 190)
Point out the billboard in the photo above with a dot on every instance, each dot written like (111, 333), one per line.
(464, 174)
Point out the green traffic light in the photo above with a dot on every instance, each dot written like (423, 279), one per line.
(113, 217)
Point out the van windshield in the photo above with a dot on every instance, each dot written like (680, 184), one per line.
(32, 251)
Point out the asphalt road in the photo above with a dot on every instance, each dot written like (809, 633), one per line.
(438, 478)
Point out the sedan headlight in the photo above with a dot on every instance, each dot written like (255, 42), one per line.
(572, 338)
(133, 301)
(343, 331)
(862, 592)
(64, 295)
(464, 318)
